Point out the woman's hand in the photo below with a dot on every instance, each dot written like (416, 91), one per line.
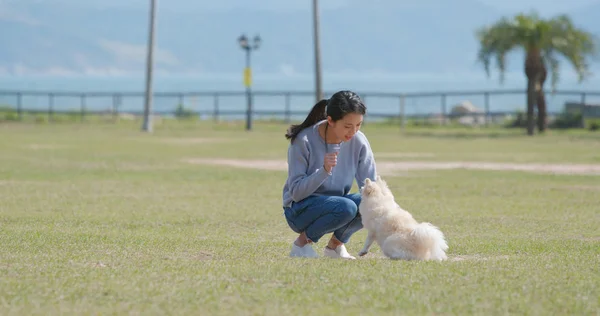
(330, 161)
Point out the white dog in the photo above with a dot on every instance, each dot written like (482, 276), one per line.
(397, 233)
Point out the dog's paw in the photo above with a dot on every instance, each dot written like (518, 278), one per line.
(362, 253)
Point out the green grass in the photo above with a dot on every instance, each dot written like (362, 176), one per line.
(103, 219)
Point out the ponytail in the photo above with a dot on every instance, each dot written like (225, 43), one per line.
(318, 113)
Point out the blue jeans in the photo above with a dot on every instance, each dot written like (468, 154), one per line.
(320, 215)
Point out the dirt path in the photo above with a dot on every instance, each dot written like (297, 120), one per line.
(399, 166)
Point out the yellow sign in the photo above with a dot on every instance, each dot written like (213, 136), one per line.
(247, 77)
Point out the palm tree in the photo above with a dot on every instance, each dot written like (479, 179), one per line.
(544, 41)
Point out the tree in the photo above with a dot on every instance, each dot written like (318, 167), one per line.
(543, 41)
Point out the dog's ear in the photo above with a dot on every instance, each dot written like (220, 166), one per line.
(378, 178)
(382, 183)
(383, 186)
(369, 187)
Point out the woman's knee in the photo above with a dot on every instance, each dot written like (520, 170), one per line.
(355, 197)
(347, 208)
(290, 221)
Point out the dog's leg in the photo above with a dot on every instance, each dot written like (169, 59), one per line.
(368, 242)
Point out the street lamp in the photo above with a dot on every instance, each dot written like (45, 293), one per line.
(245, 45)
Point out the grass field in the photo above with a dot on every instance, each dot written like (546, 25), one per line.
(104, 219)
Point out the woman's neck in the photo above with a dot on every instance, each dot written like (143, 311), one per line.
(329, 137)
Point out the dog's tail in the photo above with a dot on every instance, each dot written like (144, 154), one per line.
(429, 238)
(421, 242)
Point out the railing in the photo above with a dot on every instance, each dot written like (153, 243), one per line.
(440, 107)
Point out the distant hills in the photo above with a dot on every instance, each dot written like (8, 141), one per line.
(378, 36)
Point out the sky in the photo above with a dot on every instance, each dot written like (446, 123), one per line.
(544, 7)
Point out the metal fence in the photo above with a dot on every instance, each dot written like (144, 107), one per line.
(440, 107)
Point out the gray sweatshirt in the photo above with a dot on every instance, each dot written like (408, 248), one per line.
(306, 175)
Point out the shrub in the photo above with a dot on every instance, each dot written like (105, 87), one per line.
(8, 114)
(11, 116)
(182, 112)
(519, 122)
(567, 120)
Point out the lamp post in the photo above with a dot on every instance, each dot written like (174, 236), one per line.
(245, 45)
(147, 124)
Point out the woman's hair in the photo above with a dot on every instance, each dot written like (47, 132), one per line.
(340, 104)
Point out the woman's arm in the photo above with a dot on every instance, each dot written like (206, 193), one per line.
(366, 163)
(301, 184)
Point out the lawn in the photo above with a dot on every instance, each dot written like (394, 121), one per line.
(101, 218)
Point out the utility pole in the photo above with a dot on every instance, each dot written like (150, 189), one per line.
(147, 125)
(317, 47)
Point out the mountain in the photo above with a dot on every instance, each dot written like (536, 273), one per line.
(384, 36)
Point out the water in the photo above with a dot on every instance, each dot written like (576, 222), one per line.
(235, 105)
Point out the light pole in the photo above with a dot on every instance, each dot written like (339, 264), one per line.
(245, 45)
(317, 48)
(147, 124)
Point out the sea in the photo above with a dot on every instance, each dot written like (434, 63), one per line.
(274, 95)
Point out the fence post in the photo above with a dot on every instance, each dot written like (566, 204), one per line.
(287, 108)
(50, 106)
(444, 120)
(20, 105)
(364, 99)
(180, 103)
(487, 108)
(216, 107)
(402, 112)
(115, 109)
(582, 110)
(82, 105)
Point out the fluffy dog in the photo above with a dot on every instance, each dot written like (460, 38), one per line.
(397, 233)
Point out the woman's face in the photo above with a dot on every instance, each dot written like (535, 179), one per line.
(345, 128)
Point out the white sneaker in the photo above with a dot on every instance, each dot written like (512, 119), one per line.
(307, 251)
(339, 252)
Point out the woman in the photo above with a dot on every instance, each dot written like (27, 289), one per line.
(326, 153)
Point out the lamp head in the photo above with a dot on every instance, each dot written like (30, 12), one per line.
(243, 41)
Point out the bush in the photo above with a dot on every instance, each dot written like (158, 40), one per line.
(8, 114)
(594, 125)
(41, 118)
(567, 120)
(11, 116)
(519, 122)
(183, 113)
